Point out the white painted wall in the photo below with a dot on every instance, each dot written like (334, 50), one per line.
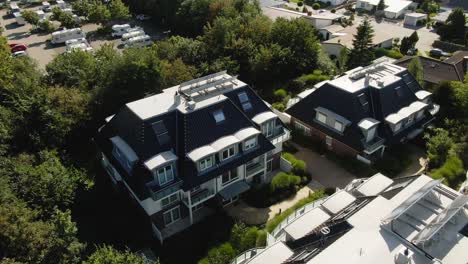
(332, 48)
(321, 23)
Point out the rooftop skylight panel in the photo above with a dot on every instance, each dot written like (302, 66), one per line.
(219, 116)
(247, 106)
(243, 97)
(161, 132)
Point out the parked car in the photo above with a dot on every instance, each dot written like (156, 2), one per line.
(143, 17)
(18, 47)
(437, 53)
(21, 53)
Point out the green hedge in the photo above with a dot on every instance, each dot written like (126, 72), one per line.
(452, 172)
(283, 182)
(380, 52)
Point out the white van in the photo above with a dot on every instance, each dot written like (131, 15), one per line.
(61, 4)
(66, 34)
(19, 19)
(119, 30)
(132, 34)
(137, 42)
(13, 9)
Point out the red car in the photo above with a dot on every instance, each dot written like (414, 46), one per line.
(17, 47)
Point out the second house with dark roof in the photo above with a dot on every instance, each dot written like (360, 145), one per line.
(362, 112)
(190, 148)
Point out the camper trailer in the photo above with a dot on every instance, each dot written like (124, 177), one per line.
(63, 35)
(13, 9)
(119, 30)
(132, 34)
(78, 44)
(61, 4)
(19, 19)
(137, 42)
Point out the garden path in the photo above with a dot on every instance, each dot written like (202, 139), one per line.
(257, 216)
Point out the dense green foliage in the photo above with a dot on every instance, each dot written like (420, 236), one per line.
(283, 181)
(409, 42)
(454, 28)
(451, 171)
(416, 69)
(108, 255)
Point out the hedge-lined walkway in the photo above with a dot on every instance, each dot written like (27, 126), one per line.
(257, 216)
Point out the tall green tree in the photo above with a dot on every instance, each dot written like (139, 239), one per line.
(362, 53)
(454, 27)
(416, 69)
(118, 10)
(381, 5)
(343, 60)
(31, 17)
(108, 255)
(439, 143)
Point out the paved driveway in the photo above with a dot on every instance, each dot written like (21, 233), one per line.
(323, 170)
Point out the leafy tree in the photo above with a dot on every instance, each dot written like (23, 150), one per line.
(118, 10)
(243, 237)
(438, 145)
(416, 69)
(81, 8)
(65, 19)
(343, 60)
(220, 255)
(31, 17)
(43, 181)
(108, 255)
(99, 13)
(192, 16)
(454, 27)
(362, 53)
(176, 72)
(460, 99)
(381, 5)
(316, 6)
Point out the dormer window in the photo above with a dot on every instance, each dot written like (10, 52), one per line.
(244, 100)
(228, 152)
(322, 118)
(219, 116)
(268, 127)
(338, 126)
(206, 163)
(165, 175)
(250, 143)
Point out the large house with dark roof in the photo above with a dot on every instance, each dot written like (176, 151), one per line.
(192, 147)
(436, 71)
(365, 110)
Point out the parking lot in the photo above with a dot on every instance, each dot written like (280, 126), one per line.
(39, 46)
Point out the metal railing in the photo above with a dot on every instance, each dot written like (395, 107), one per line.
(201, 196)
(375, 143)
(276, 233)
(254, 168)
(282, 135)
(158, 192)
(246, 255)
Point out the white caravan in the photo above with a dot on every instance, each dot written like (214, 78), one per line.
(66, 34)
(137, 42)
(132, 34)
(78, 44)
(119, 30)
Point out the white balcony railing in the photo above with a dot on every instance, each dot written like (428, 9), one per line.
(281, 137)
(246, 255)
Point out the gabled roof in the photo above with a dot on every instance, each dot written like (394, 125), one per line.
(174, 130)
(358, 104)
(436, 71)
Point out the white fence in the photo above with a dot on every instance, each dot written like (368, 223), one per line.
(285, 165)
(276, 234)
(246, 255)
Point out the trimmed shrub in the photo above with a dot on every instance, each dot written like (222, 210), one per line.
(300, 3)
(333, 11)
(316, 6)
(280, 94)
(379, 52)
(299, 168)
(452, 171)
(289, 157)
(283, 181)
(221, 254)
(279, 106)
(261, 238)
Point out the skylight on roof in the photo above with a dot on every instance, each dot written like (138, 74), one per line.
(243, 97)
(219, 116)
(247, 106)
(161, 132)
(363, 101)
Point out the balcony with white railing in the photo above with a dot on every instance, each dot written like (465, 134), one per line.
(245, 256)
(281, 135)
(277, 233)
(199, 196)
(254, 168)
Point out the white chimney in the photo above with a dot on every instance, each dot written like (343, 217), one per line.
(404, 256)
(190, 105)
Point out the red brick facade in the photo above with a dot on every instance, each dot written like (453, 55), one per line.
(336, 146)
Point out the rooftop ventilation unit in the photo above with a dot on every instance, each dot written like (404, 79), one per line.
(367, 70)
(207, 84)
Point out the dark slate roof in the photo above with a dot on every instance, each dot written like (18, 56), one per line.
(382, 102)
(187, 131)
(436, 71)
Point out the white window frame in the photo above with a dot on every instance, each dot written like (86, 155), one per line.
(268, 127)
(321, 116)
(230, 178)
(173, 219)
(340, 125)
(250, 143)
(397, 127)
(205, 163)
(167, 177)
(230, 154)
(172, 198)
(329, 141)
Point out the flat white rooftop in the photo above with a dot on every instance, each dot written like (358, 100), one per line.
(307, 223)
(275, 254)
(168, 100)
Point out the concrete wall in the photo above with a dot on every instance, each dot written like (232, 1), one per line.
(332, 48)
